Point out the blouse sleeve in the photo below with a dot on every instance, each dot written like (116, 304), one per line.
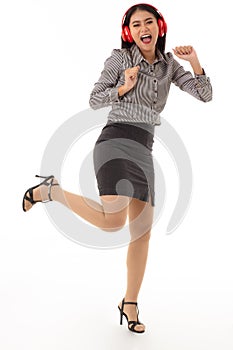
(105, 91)
(198, 86)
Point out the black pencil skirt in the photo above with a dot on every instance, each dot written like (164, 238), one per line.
(123, 160)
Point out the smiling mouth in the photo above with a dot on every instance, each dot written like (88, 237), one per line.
(146, 39)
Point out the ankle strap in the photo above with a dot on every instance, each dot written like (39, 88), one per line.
(129, 302)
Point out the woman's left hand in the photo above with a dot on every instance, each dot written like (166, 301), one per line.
(186, 53)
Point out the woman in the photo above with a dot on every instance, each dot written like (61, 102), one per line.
(135, 81)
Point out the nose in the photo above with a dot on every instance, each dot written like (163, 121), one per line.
(144, 28)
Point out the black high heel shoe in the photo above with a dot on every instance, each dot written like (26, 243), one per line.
(48, 181)
(131, 324)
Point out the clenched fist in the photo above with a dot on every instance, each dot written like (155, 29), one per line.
(131, 75)
(186, 53)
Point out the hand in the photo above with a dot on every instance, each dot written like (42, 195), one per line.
(131, 75)
(186, 53)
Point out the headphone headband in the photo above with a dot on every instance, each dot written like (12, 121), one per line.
(126, 36)
(123, 19)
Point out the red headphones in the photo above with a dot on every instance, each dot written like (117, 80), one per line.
(126, 35)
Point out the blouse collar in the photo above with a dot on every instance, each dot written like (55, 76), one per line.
(137, 56)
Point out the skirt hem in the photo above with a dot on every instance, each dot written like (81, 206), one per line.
(140, 196)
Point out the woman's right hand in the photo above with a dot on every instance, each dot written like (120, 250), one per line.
(131, 75)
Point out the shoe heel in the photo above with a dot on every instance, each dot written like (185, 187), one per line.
(121, 316)
(121, 319)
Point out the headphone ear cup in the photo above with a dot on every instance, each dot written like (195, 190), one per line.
(162, 27)
(123, 35)
(126, 35)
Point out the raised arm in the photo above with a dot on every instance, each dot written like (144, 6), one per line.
(198, 86)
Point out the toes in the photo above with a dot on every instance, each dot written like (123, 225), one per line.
(26, 204)
(138, 328)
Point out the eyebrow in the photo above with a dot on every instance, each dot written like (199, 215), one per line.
(144, 20)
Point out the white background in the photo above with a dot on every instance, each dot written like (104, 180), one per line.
(56, 294)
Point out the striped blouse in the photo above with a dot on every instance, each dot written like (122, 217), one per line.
(147, 99)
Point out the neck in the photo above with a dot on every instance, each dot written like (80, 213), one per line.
(149, 56)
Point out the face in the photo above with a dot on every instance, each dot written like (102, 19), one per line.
(144, 30)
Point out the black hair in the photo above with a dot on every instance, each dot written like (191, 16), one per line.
(161, 41)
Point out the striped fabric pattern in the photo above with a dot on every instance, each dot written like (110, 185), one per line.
(147, 99)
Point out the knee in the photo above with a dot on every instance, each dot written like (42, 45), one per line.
(140, 229)
(114, 224)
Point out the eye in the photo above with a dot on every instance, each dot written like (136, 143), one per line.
(149, 22)
(136, 25)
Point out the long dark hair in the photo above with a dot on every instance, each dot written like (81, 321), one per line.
(161, 41)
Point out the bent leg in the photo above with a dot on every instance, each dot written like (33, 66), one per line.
(110, 216)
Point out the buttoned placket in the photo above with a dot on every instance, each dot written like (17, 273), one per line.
(155, 86)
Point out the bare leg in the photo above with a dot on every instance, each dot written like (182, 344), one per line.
(140, 219)
(110, 216)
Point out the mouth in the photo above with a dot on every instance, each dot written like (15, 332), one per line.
(146, 39)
